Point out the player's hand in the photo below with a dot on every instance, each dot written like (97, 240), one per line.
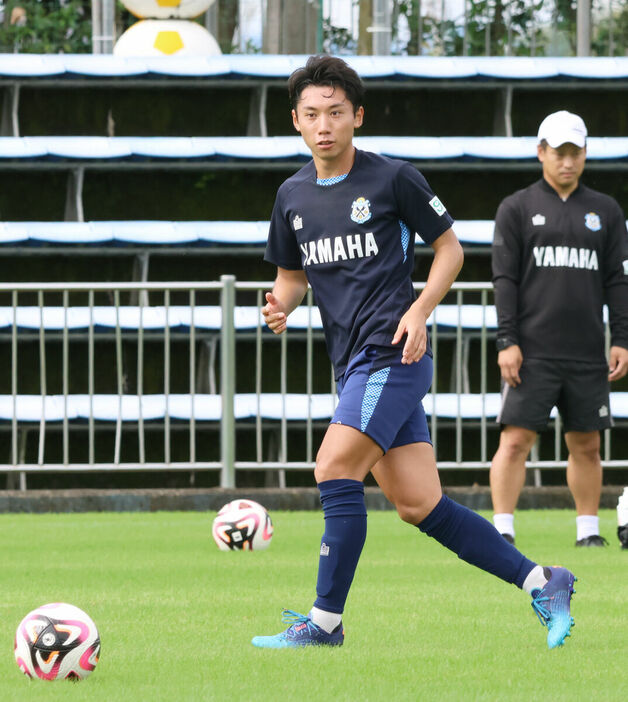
(509, 361)
(274, 314)
(617, 362)
(416, 342)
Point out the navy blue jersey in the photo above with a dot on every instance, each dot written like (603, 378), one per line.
(355, 242)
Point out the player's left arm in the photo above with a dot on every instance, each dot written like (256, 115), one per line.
(446, 264)
(615, 267)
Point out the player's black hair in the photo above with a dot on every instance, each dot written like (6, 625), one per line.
(326, 70)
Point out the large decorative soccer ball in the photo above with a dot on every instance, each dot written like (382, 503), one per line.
(242, 525)
(165, 9)
(166, 38)
(57, 642)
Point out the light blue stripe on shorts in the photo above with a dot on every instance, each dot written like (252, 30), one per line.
(381, 397)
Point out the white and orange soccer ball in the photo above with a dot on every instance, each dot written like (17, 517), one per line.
(57, 642)
(242, 525)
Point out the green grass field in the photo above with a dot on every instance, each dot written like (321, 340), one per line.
(176, 615)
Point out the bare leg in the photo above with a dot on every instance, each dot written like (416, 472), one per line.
(584, 470)
(508, 470)
(408, 477)
(345, 453)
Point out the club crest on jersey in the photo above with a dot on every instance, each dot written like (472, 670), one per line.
(592, 221)
(360, 211)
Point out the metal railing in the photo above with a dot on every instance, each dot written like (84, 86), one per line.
(138, 393)
(111, 370)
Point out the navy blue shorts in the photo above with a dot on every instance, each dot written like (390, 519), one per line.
(381, 397)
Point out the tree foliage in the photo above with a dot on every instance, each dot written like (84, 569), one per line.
(45, 27)
(493, 27)
(610, 36)
(513, 27)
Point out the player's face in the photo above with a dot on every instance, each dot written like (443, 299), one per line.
(562, 167)
(326, 120)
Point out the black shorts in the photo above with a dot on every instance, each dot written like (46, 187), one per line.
(580, 392)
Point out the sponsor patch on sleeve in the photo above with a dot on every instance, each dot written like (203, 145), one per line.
(437, 206)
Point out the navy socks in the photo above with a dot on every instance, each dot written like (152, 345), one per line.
(475, 541)
(342, 542)
(461, 530)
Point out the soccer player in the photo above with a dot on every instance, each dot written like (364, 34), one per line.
(560, 252)
(345, 223)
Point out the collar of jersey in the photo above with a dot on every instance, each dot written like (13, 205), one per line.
(548, 188)
(331, 181)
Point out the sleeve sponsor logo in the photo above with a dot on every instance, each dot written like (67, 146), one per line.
(437, 206)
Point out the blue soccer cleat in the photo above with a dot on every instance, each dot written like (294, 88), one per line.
(301, 632)
(551, 604)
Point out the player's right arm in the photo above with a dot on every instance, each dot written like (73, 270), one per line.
(509, 361)
(288, 291)
(505, 261)
(282, 250)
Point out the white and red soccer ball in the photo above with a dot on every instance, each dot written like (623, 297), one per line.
(57, 642)
(242, 525)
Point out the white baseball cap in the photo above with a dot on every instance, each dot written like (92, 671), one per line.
(561, 128)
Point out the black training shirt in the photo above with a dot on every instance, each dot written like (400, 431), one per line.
(355, 242)
(555, 264)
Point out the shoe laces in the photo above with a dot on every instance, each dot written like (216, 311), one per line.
(541, 611)
(289, 616)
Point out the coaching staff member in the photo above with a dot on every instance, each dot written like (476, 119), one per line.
(560, 252)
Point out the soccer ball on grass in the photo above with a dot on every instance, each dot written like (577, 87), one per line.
(56, 642)
(242, 525)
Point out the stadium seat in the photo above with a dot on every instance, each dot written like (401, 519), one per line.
(236, 67)
(208, 236)
(255, 152)
(470, 317)
(294, 407)
(459, 325)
